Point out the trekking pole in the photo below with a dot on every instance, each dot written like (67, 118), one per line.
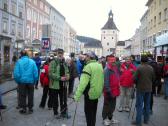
(73, 124)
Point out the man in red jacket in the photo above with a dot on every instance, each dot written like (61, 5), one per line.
(126, 81)
(111, 90)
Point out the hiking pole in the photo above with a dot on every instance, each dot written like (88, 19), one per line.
(73, 124)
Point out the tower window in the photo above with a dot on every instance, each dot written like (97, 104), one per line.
(107, 43)
(104, 37)
(112, 37)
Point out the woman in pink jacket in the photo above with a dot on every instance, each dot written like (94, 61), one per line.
(126, 83)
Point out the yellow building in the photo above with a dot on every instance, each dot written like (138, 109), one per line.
(157, 21)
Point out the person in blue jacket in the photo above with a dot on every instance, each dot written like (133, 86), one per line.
(26, 75)
(37, 60)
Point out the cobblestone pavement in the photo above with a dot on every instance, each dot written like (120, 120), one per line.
(44, 117)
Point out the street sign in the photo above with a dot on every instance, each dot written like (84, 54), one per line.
(46, 43)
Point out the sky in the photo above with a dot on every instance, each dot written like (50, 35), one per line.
(87, 17)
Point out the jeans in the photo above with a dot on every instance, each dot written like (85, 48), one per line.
(142, 101)
(0, 98)
(125, 96)
(166, 85)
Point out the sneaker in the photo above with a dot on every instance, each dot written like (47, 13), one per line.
(127, 109)
(22, 111)
(114, 121)
(120, 109)
(107, 122)
(3, 106)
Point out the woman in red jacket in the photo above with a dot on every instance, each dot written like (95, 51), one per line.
(44, 80)
(126, 82)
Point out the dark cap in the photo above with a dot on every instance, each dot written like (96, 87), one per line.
(144, 59)
(59, 50)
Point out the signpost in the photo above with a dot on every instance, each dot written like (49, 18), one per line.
(46, 43)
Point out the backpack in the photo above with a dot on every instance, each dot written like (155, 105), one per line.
(44, 78)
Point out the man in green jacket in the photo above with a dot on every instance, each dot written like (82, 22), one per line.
(91, 85)
(59, 76)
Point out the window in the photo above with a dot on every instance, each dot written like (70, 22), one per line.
(20, 30)
(155, 21)
(5, 27)
(112, 38)
(165, 14)
(28, 14)
(104, 37)
(5, 6)
(13, 8)
(13, 29)
(35, 2)
(41, 5)
(151, 23)
(20, 14)
(107, 43)
(160, 17)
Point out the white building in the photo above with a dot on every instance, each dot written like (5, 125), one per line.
(109, 36)
(70, 43)
(90, 44)
(12, 24)
(57, 21)
(120, 51)
(127, 48)
(136, 43)
(143, 32)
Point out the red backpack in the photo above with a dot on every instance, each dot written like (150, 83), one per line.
(44, 78)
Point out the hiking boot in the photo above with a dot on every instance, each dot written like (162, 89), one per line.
(22, 111)
(3, 106)
(106, 122)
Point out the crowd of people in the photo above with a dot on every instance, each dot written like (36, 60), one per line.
(106, 75)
